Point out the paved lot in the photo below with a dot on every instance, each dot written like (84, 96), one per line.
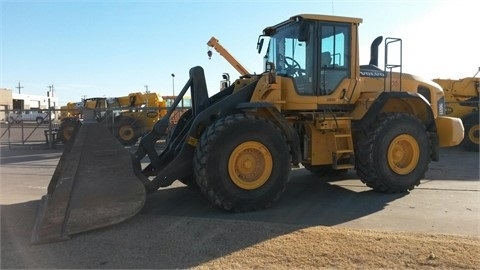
(24, 133)
(178, 228)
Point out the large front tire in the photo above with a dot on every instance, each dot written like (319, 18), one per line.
(471, 139)
(242, 163)
(395, 153)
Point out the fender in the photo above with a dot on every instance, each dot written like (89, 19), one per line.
(269, 111)
(407, 102)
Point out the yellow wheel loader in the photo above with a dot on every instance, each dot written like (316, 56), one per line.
(314, 105)
(72, 115)
(461, 98)
(127, 117)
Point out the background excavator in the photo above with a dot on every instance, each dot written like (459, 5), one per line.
(313, 105)
(461, 98)
(127, 117)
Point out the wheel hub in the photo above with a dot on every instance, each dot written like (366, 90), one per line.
(250, 165)
(125, 132)
(403, 154)
(68, 133)
(473, 134)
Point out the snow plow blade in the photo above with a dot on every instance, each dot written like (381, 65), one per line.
(94, 185)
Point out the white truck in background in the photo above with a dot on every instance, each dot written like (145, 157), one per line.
(39, 117)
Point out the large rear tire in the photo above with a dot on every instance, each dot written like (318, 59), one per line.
(395, 153)
(127, 130)
(242, 163)
(471, 139)
(67, 129)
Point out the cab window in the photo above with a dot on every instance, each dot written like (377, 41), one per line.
(334, 57)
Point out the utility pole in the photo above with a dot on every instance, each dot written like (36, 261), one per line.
(146, 89)
(50, 88)
(50, 119)
(49, 94)
(19, 87)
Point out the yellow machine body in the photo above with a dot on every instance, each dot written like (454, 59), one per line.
(462, 101)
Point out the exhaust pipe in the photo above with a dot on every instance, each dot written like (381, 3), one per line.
(374, 51)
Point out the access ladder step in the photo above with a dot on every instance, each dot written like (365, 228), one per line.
(343, 166)
(343, 153)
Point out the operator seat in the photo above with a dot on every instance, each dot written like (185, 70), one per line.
(325, 60)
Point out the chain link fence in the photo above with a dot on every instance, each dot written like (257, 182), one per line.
(28, 127)
(40, 127)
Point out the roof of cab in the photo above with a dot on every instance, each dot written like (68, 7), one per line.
(331, 18)
(317, 17)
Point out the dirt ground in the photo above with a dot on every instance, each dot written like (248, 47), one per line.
(323, 247)
(150, 242)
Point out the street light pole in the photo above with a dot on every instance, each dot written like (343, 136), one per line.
(50, 134)
(173, 83)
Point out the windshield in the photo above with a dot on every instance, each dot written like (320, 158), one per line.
(315, 53)
(286, 51)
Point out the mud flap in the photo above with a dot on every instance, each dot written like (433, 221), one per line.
(93, 186)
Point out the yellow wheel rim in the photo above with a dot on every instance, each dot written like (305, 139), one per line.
(126, 132)
(473, 134)
(403, 154)
(68, 132)
(250, 165)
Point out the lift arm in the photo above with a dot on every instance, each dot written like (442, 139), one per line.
(213, 42)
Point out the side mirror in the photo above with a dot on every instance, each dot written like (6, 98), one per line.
(260, 44)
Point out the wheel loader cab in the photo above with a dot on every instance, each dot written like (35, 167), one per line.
(318, 54)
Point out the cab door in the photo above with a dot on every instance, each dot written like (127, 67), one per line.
(333, 77)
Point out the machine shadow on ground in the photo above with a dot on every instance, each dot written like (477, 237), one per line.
(307, 201)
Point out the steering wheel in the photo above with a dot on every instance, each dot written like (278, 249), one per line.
(293, 68)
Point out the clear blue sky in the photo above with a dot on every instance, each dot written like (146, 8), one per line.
(112, 48)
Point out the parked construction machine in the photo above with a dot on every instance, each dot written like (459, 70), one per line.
(71, 115)
(127, 117)
(313, 105)
(461, 98)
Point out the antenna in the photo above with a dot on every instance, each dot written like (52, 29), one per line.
(477, 72)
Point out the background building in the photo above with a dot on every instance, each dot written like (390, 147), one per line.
(10, 101)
